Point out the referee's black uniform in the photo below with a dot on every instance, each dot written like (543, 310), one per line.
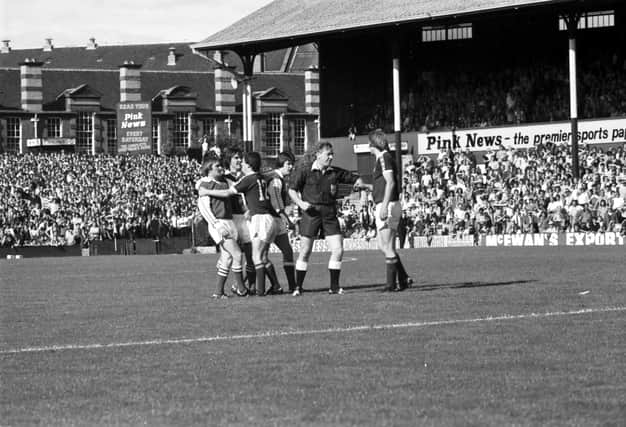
(319, 188)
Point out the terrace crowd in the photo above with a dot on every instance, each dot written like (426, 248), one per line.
(65, 199)
(507, 192)
(474, 98)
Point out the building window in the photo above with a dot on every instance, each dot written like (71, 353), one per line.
(53, 127)
(84, 132)
(208, 127)
(181, 131)
(299, 139)
(451, 32)
(460, 32)
(13, 134)
(601, 19)
(112, 136)
(155, 135)
(272, 134)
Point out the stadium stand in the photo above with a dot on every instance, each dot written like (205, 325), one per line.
(63, 199)
(516, 192)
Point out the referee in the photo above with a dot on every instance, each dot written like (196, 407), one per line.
(314, 190)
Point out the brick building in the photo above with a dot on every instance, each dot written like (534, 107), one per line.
(66, 98)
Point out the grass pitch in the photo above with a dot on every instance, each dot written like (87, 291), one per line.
(486, 337)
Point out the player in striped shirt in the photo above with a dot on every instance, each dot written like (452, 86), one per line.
(218, 214)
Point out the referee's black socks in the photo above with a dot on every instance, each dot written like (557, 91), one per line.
(301, 267)
(334, 267)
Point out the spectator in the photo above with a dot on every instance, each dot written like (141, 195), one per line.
(52, 199)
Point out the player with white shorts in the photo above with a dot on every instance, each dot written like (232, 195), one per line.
(218, 215)
(262, 230)
(262, 227)
(386, 195)
(279, 197)
(232, 162)
(394, 213)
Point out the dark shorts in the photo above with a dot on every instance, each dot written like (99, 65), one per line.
(319, 218)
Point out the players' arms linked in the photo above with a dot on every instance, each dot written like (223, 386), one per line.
(220, 194)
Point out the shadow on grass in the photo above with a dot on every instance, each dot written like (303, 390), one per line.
(379, 286)
(468, 285)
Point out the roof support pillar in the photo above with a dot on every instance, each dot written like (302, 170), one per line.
(248, 69)
(397, 121)
(572, 19)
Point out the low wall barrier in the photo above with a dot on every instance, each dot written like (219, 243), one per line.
(176, 245)
(172, 245)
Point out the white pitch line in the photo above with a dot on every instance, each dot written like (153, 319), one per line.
(273, 334)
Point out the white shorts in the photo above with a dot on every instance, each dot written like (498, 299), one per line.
(243, 230)
(223, 229)
(394, 212)
(262, 227)
(281, 226)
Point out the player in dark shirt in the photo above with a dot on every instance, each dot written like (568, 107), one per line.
(262, 226)
(232, 160)
(385, 192)
(314, 190)
(279, 197)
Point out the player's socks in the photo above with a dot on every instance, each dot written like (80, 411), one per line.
(392, 271)
(251, 277)
(260, 280)
(402, 274)
(250, 272)
(291, 275)
(222, 275)
(271, 274)
(241, 288)
(334, 267)
(301, 267)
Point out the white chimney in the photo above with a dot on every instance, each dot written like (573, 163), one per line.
(92, 45)
(6, 46)
(171, 57)
(48, 46)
